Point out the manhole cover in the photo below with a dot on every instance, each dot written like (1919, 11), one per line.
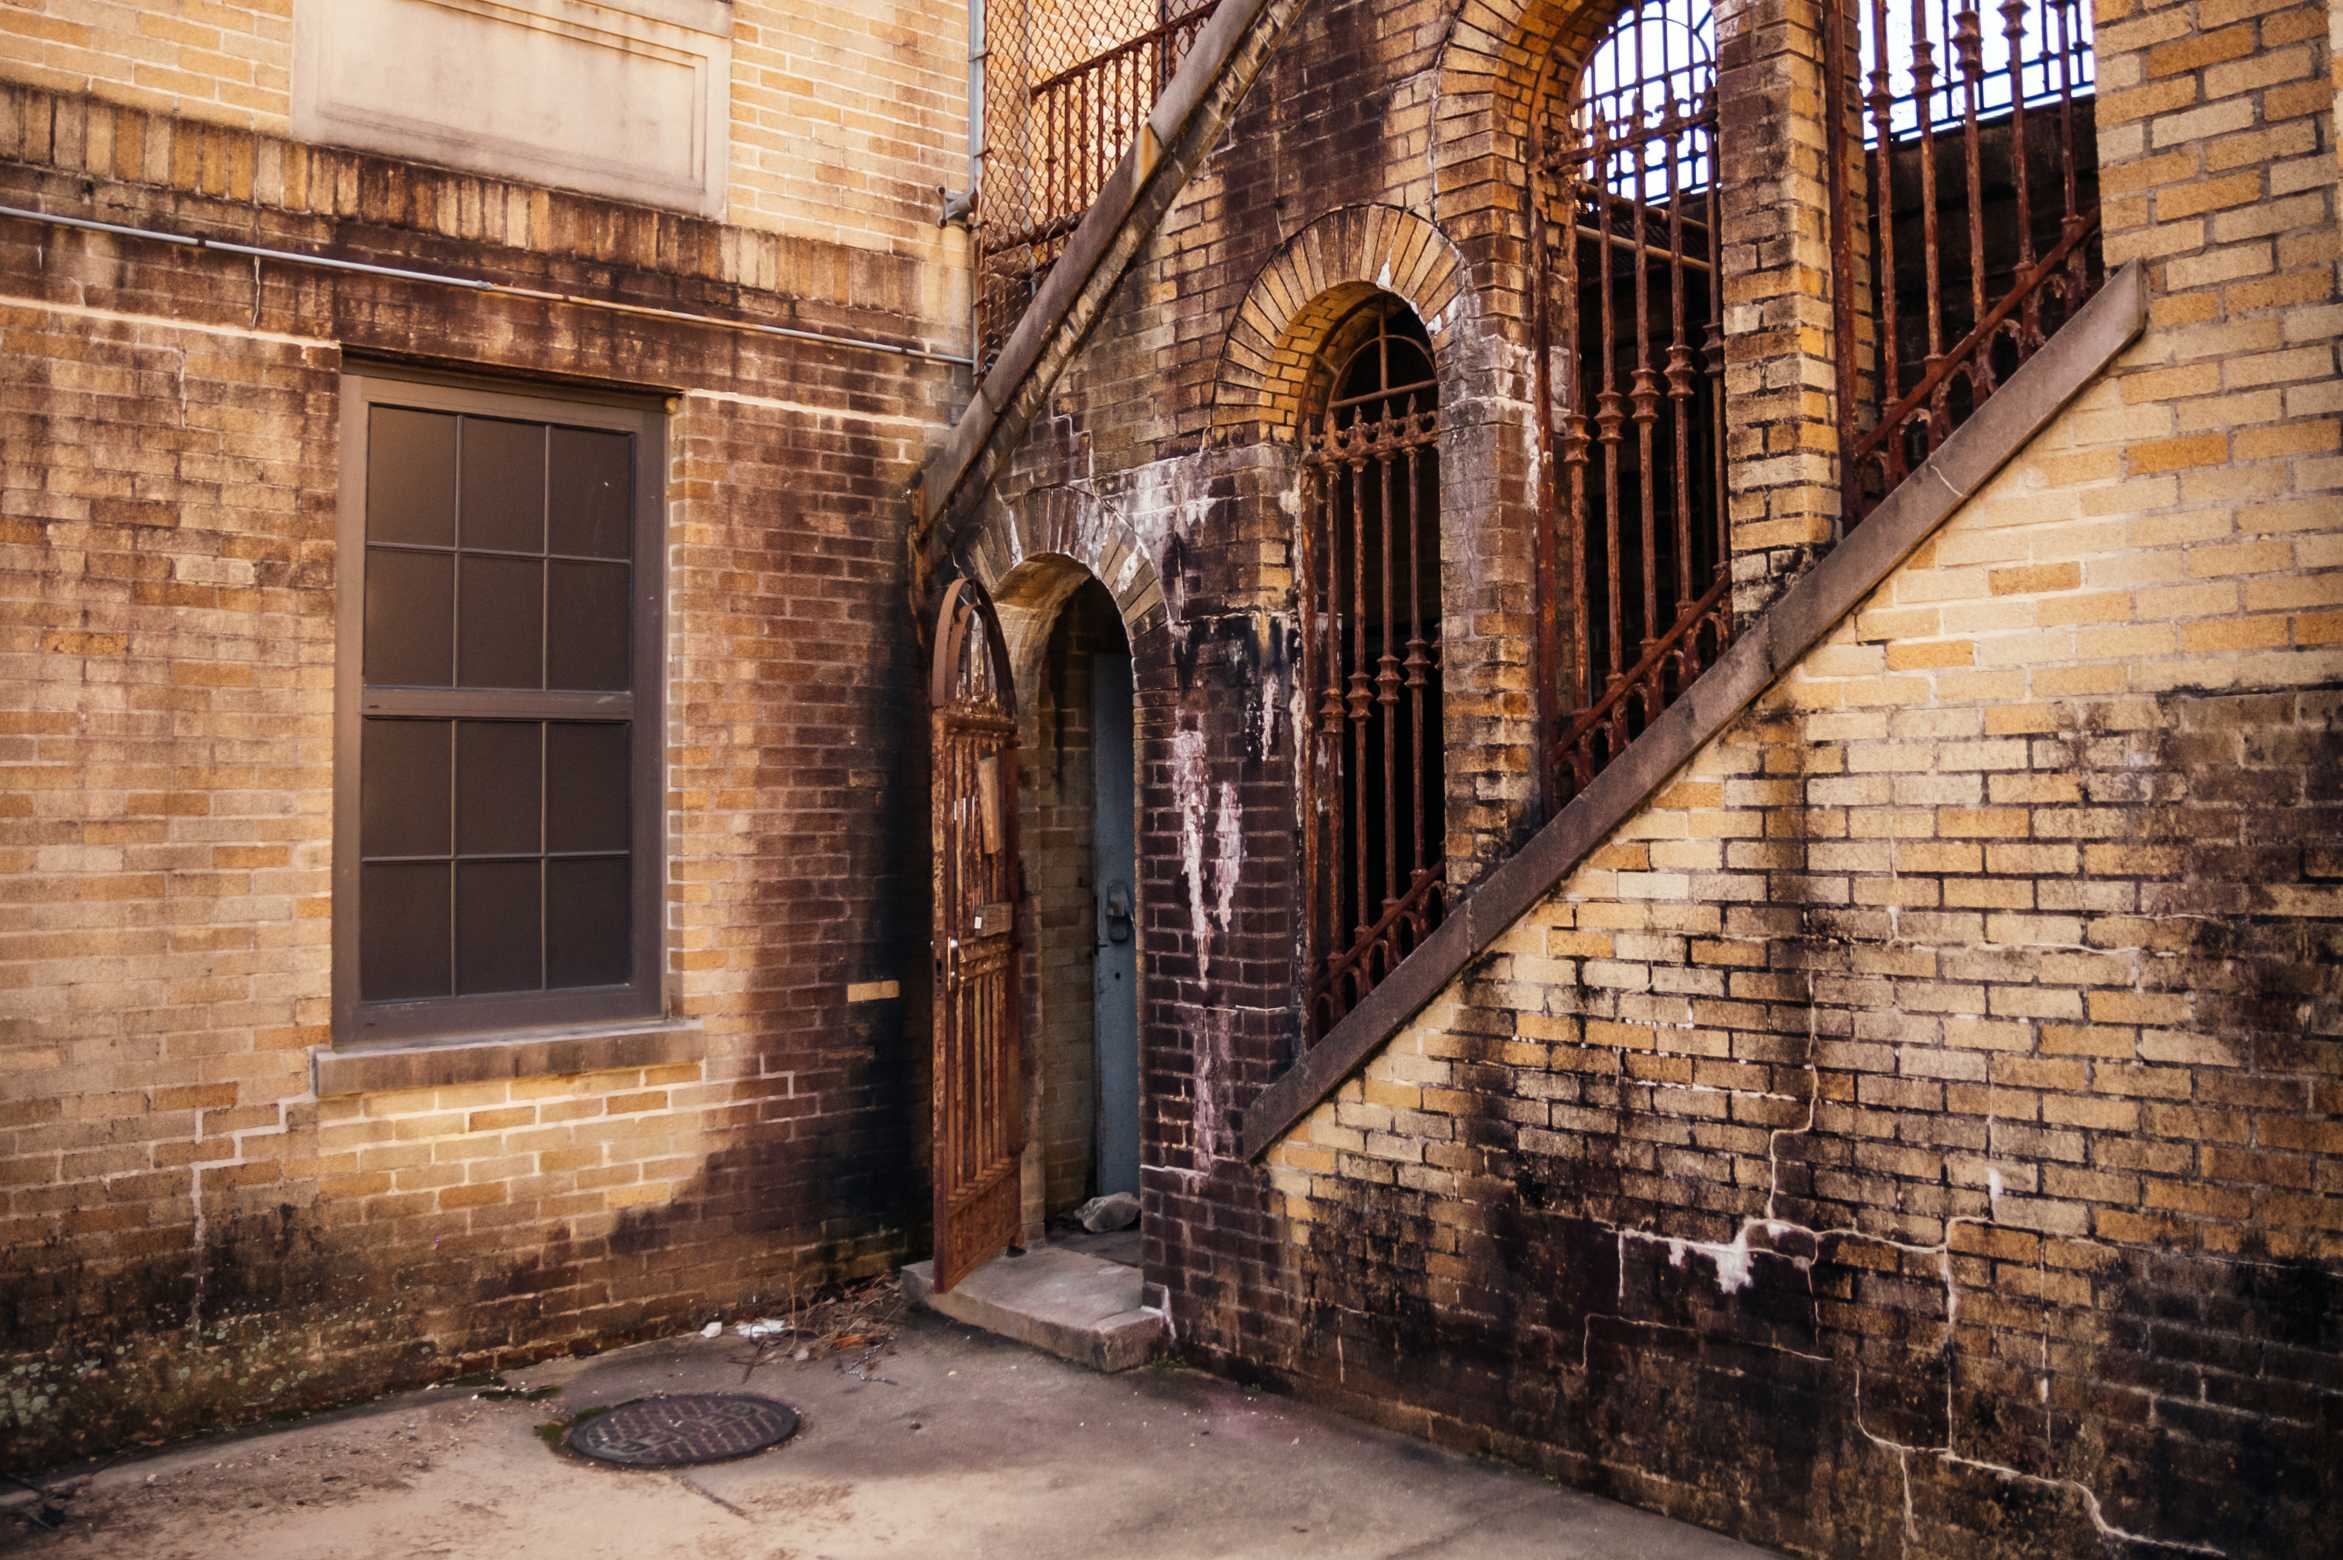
(692, 1427)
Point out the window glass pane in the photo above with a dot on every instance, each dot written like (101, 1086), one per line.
(586, 921)
(494, 851)
(496, 788)
(589, 629)
(402, 931)
(593, 503)
(402, 788)
(411, 477)
(496, 926)
(586, 788)
(504, 485)
(503, 608)
(409, 617)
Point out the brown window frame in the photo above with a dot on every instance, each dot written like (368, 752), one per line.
(455, 1018)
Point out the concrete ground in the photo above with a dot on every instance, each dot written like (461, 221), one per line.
(956, 1445)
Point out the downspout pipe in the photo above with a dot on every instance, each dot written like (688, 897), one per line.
(978, 50)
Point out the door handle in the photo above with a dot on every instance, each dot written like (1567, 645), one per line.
(1115, 911)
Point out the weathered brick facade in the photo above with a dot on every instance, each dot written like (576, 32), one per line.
(195, 1234)
(845, 117)
(1914, 1130)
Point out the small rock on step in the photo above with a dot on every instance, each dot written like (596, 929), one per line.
(1114, 1211)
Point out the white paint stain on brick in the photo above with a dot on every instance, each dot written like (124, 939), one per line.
(1189, 793)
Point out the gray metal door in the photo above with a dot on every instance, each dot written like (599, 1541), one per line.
(1115, 973)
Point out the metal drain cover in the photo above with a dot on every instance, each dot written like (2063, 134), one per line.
(691, 1427)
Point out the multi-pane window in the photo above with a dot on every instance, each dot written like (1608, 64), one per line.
(498, 831)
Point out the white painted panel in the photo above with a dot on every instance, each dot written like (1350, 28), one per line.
(630, 101)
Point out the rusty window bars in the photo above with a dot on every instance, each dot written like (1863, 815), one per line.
(1964, 229)
(1964, 212)
(1374, 828)
(1067, 84)
(1631, 328)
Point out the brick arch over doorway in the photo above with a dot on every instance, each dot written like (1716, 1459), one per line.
(1072, 581)
(1318, 277)
(1080, 528)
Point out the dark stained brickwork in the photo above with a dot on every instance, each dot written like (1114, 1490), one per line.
(1915, 1131)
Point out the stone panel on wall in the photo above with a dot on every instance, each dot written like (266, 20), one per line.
(630, 101)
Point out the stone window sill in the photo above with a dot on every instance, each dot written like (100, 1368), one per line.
(488, 1058)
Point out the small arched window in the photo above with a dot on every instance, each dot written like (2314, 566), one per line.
(1374, 820)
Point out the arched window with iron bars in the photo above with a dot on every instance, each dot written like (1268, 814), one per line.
(1631, 320)
(1374, 825)
(1964, 212)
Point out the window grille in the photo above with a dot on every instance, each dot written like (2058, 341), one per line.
(1632, 328)
(1373, 799)
(1965, 214)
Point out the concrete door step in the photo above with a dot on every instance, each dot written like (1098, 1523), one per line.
(1077, 1307)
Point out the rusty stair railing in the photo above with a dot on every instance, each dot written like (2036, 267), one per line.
(1964, 225)
(1068, 83)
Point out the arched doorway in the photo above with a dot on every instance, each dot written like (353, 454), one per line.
(1076, 832)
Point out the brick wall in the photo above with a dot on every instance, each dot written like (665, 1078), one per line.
(1933, 1085)
(1913, 1130)
(189, 1234)
(845, 116)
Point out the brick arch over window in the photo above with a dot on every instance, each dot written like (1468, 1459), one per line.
(1317, 279)
(1501, 60)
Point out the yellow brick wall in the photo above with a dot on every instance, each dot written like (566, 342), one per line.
(573, 1148)
(192, 1233)
(1858, 1117)
(846, 114)
(1927, 748)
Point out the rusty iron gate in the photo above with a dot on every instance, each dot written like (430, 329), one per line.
(978, 1079)
(1374, 833)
